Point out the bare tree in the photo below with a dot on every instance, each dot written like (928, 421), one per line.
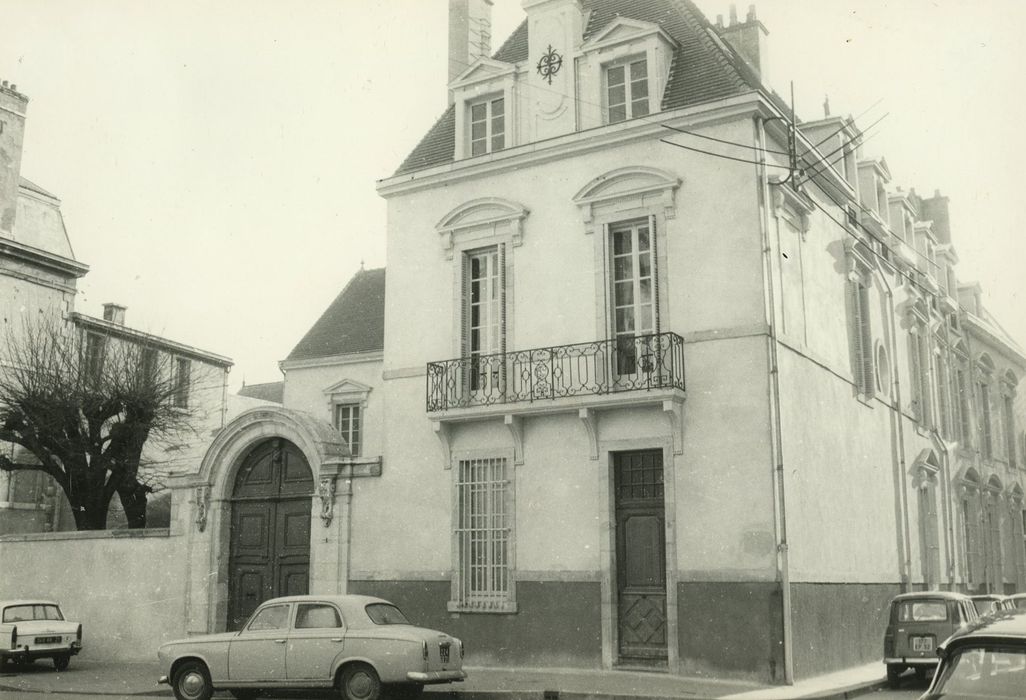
(84, 405)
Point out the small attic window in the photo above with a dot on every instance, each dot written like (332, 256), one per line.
(627, 90)
(487, 126)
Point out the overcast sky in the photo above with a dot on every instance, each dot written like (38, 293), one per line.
(217, 160)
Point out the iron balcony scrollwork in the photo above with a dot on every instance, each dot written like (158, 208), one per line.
(625, 363)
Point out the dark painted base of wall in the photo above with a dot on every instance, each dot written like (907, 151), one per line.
(557, 623)
(837, 625)
(731, 630)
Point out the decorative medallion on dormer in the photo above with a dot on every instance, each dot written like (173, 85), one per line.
(637, 186)
(482, 220)
(549, 64)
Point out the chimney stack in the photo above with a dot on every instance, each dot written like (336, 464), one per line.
(470, 34)
(935, 209)
(115, 313)
(13, 106)
(749, 39)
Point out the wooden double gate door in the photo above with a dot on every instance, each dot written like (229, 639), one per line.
(640, 558)
(269, 551)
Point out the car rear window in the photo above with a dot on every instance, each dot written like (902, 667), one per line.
(984, 672)
(385, 614)
(24, 613)
(923, 611)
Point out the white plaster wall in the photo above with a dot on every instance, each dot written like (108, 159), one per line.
(304, 391)
(128, 591)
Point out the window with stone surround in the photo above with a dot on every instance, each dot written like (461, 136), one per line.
(182, 382)
(348, 422)
(627, 89)
(487, 120)
(483, 535)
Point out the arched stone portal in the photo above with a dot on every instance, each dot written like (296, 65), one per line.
(237, 469)
(269, 541)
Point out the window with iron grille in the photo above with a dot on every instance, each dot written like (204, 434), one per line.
(347, 422)
(483, 579)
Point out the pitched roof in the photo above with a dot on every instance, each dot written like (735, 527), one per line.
(353, 322)
(703, 68)
(269, 391)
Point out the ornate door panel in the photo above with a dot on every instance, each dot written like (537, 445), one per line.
(640, 557)
(270, 536)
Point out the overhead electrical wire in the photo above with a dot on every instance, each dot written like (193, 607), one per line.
(722, 155)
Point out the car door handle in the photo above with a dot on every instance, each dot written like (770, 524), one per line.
(279, 641)
(336, 639)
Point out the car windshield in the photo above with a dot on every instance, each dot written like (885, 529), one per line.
(984, 672)
(923, 611)
(25, 613)
(985, 606)
(386, 614)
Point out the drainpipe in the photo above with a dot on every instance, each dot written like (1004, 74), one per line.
(776, 449)
(905, 562)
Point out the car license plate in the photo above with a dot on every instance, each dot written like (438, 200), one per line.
(443, 653)
(922, 643)
(48, 640)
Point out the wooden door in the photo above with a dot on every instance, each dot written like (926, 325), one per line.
(270, 529)
(640, 557)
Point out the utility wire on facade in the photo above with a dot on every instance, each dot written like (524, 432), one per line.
(864, 112)
(721, 155)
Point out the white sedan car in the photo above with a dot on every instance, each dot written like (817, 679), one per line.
(353, 643)
(33, 629)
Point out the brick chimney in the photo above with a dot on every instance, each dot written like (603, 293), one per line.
(12, 136)
(115, 313)
(470, 34)
(749, 39)
(935, 209)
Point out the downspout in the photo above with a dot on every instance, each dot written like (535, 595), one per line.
(776, 450)
(905, 564)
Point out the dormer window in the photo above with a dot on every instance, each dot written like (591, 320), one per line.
(627, 90)
(487, 126)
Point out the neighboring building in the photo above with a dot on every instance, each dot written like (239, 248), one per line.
(38, 277)
(628, 405)
(271, 392)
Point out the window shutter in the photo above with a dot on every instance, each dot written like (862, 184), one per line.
(866, 338)
(655, 273)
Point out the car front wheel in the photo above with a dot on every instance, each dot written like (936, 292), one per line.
(192, 682)
(360, 682)
(61, 661)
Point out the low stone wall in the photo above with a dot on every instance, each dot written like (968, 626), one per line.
(126, 587)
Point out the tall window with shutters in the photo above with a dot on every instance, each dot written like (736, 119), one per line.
(484, 319)
(1008, 416)
(929, 533)
(862, 338)
(986, 425)
(970, 538)
(483, 536)
(634, 295)
(919, 371)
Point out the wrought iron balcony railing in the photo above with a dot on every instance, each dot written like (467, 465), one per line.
(625, 363)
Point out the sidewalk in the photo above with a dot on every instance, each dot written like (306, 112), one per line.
(86, 677)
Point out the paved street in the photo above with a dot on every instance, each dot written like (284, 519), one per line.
(909, 690)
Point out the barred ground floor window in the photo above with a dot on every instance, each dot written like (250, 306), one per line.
(483, 536)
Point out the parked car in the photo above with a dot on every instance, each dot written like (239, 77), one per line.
(353, 643)
(986, 659)
(1017, 601)
(33, 629)
(988, 603)
(918, 623)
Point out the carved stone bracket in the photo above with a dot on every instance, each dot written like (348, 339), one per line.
(590, 421)
(202, 501)
(443, 433)
(673, 409)
(326, 492)
(516, 429)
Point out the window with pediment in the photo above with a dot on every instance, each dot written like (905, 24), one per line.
(347, 409)
(623, 71)
(483, 96)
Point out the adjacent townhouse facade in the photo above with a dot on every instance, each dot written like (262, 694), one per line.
(661, 377)
(38, 280)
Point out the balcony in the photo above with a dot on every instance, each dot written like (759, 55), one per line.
(545, 375)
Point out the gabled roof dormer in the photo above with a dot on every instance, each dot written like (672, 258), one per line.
(624, 69)
(484, 99)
